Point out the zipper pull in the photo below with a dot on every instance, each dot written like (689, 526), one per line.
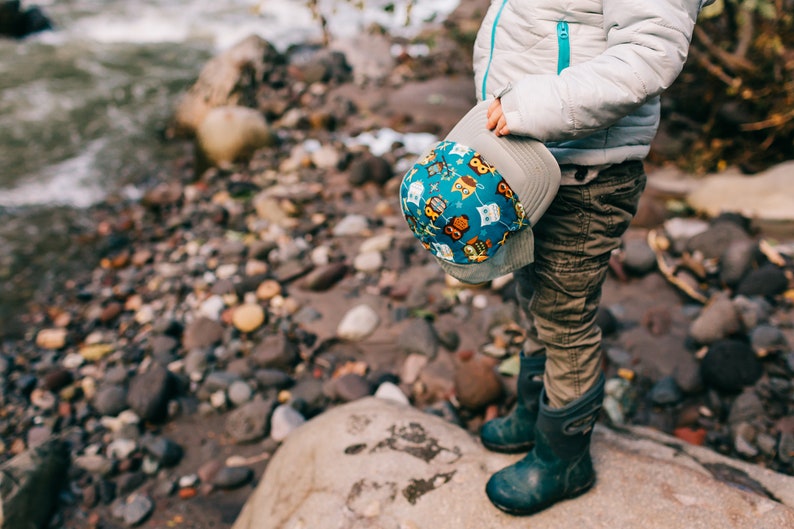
(562, 29)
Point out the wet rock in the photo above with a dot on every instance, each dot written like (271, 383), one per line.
(746, 407)
(606, 321)
(273, 378)
(730, 365)
(149, 393)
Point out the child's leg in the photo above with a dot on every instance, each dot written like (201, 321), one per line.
(573, 242)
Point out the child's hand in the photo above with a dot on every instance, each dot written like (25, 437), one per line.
(496, 119)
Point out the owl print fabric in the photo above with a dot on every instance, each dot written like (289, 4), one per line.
(458, 205)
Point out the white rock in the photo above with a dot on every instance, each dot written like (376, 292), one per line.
(378, 243)
(284, 421)
(351, 225)
(390, 391)
(358, 323)
(240, 392)
(121, 449)
(368, 262)
(212, 307)
(218, 399)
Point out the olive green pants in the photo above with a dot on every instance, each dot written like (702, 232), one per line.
(561, 290)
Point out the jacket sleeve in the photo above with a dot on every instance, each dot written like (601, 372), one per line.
(647, 46)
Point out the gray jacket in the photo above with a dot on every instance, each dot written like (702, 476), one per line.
(583, 76)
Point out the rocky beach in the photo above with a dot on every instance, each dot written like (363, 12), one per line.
(270, 278)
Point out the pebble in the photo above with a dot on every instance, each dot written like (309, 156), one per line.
(51, 338)
(730, 365)
(149, 393)
(136, 509)
(419, 337)
(239, 392)
(351, 225)
(665, 392)
(719, 319)
(392, 392)
(249, 422)
(248, 317)
(110, 400)
(358, 323)
(284, 421)
(232, 477)
(368, 262)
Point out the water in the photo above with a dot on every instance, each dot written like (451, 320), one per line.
(83, 107)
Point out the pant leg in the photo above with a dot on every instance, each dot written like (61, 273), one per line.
(573, 243)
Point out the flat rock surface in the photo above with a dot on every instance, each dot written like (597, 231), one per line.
(373, 463)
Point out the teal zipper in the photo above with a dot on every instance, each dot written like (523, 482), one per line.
(563, 46)
(490, 56)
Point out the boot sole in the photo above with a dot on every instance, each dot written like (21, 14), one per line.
(525, 512)
(508, 449)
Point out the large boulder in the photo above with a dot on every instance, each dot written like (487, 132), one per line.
(18, 23)
(375, 463)
(765, 197)
(232, 78)
(29, 486)
(229, 134)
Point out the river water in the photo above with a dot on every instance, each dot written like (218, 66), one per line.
(83, 107)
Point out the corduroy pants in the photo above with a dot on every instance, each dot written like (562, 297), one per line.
(561, 290)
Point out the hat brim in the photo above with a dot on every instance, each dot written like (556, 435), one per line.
(531, 171)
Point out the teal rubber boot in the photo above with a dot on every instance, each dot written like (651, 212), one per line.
(559, 467)
(515, 432)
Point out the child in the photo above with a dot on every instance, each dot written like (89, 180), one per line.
(584, 78)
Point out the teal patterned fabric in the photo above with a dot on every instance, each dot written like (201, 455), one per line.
(458, 205)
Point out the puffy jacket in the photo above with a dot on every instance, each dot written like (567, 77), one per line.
(583, 76)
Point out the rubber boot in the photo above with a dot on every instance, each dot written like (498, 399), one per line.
(515, 432)
(559, 467)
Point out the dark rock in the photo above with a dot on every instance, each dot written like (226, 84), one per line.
(477, 383)
(137, 509)
(57, 380)
(730, 365)
(110, 400)
(419, 336)
(273, 378)
(350, 387)
(736, 261)
(164, 450)
(232, 477)
(30, 483)
(768, 280)
(149, 393)
(18, 23)
(324, 277)
(370, 169)
(249, 422)
(638, 257)
(276, 351)
(202, 332)
(606, 321)
(665, 392)
(714, 242)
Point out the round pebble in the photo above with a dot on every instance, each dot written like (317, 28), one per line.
(248, 317)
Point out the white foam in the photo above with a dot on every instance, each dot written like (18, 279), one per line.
(72, 182)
